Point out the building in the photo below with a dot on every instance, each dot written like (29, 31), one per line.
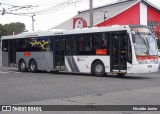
(119, 13)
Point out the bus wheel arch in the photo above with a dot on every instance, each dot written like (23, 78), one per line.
(22, 67)
(33, 65)
(97, 68)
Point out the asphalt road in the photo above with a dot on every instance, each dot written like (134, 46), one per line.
(17, 87)
(77, 89)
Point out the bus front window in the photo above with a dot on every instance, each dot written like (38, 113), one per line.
(140, 46)
(152, 45)
(145, 45)
(144, 42)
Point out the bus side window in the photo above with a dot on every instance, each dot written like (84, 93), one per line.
(81, 44)
(21, 44)
(85, 43)
(101, 41)
(104, 41)
(33, 44)
(45, 44)
(39, 44)
(49, 46)
(5, 45)
(71, 45)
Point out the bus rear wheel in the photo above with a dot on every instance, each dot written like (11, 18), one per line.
(33, 66)
(98, 69)
(22, 66)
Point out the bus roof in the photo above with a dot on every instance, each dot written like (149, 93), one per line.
(67, 32)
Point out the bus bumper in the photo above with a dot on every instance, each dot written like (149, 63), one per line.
(143, 68)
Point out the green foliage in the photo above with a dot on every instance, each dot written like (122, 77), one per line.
(8, 29)
(2, 31)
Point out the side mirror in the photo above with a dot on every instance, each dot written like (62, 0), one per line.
(133, 38)
(132, 32)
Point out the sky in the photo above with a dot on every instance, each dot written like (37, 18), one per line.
(57, 15)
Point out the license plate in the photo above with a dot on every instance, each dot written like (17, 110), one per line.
(149, 66)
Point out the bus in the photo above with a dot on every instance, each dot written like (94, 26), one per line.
(118, 49)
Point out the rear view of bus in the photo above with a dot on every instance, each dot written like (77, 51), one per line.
(144, 51)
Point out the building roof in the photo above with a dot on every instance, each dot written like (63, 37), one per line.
(150, 4)
(111, 10)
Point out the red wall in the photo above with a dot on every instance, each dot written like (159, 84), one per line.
(130, 16)
(153, 15)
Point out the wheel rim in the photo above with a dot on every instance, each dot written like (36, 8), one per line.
(99, 68)
(33, 66)
(23, 66)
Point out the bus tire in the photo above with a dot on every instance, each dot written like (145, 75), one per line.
(22, 66)
(98, 69)
(33, 66)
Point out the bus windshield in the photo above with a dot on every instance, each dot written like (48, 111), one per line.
(144, 43)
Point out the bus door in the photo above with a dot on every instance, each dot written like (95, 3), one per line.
(59, 52)
(12, 53)
(5, 57)
(119, 52)
(8, 53)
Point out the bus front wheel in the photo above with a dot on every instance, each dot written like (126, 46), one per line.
(22, 66)
(33, 66)
(98, 69)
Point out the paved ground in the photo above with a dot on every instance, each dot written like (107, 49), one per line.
(82, 89)
(17, 87)
(72, 89)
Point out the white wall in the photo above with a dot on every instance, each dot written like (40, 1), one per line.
(143, 14)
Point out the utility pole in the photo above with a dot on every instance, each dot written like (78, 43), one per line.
(91, 12)
(3, 11)
(104, 16)
(33, 22)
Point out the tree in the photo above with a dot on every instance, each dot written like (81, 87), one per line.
(2, 31)
(14, 27)
(8, 29)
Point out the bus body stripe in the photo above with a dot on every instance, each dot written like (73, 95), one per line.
(75, 65)
(67, 68)
(72, 64)
(69, 63)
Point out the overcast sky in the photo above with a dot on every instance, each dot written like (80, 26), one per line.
(47, 21)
